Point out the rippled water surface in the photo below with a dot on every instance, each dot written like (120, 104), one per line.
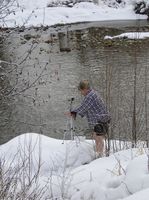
(51, 62)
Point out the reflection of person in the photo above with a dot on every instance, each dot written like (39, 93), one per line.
(97, 115)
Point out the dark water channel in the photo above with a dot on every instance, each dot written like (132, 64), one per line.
(47, 64)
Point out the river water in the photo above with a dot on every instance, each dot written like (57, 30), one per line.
(48, 64)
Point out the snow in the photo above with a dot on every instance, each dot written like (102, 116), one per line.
(36, 13)
(75, 154)
(71, 163)
(69, 167)
(131, 35)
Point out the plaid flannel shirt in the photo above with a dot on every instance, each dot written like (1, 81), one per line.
(93, 108)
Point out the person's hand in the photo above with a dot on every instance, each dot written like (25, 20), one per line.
(71, 114)
(68, 114)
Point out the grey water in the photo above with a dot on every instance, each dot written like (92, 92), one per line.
(47, 64)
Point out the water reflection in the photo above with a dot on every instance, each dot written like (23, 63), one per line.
(52, 64)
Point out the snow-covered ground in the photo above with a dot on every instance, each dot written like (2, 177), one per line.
(73, 172)
(69, 169)
(36, 13)
(131, 35)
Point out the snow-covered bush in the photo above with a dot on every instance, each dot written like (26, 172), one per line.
(66, 3)
(142, 7)
(71, 3)
(115, 3)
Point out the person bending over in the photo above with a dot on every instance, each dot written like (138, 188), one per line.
(96, 113)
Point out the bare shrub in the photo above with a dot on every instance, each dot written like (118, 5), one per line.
(18, 177)
(7, 7)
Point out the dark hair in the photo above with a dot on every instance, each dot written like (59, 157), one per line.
(84, 85)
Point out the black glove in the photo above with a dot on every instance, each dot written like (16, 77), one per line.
(74, 114)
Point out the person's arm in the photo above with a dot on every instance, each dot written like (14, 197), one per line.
(83, 108)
